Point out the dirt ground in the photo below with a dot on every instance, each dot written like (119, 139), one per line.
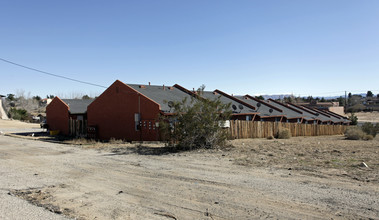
(298, 178)
(372, 117)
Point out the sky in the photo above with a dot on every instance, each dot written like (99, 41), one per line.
(313, 47)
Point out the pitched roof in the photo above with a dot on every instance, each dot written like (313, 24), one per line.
(288, 111)
(264, 109)
(333, 118)
(239, 105)
(162, 95)
(78, 106)
(308, 115)
(311, 113)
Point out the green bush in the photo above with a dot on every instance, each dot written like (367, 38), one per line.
(354, 133)
(370, 129)
(354, 119)
(18, 114)
(196, 123)
(284, 133)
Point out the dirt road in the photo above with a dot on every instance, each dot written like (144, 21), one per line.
(133, 183)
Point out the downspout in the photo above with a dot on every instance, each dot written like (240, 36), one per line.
(139, 112)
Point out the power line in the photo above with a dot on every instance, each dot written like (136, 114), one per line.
(51, 74)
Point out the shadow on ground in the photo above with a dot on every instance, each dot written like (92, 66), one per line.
(137, 149)
(144, 150)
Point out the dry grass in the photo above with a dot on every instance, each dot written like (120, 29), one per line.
(354, 133)
(284, 133)
(321, 156)
(372, 117)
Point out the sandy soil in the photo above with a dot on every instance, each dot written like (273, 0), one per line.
(299, 178)
(372, 117)
(14, 125)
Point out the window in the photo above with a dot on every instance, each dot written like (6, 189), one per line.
(137, 120)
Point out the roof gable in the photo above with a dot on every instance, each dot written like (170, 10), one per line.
(77, 106)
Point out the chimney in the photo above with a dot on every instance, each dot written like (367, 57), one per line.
(149, 83)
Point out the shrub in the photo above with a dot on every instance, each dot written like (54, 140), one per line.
(196, 123)
(368, 137)
(370, 129)
(115, 141)
(354, 119)
(354, 133)
(284, 133)
(18, 114)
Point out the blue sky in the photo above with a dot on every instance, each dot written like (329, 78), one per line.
(318, 48)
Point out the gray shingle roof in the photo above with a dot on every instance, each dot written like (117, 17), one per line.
(162, 96)
(245, 109)
(288, 112)
(306, 114)
(325, 117)
(78, 106)
(263, 110)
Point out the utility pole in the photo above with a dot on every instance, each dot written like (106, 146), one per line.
(345, 102)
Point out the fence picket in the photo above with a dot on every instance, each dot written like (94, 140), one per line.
(261, 129)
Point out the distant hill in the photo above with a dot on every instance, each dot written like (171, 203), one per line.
(281, 96)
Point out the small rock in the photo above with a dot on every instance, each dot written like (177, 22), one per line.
(223, 155)
(119, 192)
(363, 164)
(216, 202)
(290, 168)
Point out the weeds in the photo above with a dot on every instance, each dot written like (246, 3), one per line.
(284, 133)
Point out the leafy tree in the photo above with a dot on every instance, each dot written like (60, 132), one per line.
(86, 97)
(349, 95)
(11, 97)
(309, 98)
(50, 96)
(196, 123)
(369, 94)
(18, 114)
(260, 97)
(38, 98)
(341, 101)
(322, 99)
(354, 119)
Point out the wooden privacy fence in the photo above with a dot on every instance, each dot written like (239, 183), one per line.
(78, 128)
(263, 129)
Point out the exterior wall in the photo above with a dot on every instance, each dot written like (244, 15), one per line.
(57, 116)
(339, 110)
(113, 114)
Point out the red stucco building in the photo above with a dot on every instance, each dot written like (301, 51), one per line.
(131, 112)
(60, 111)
